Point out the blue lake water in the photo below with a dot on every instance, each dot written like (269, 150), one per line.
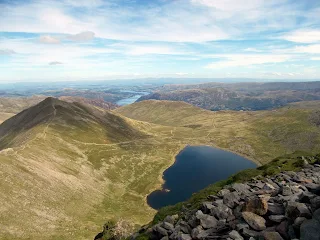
(132, 99)
(195, 168)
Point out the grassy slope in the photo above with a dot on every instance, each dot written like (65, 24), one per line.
(260, 135)
(69, 174)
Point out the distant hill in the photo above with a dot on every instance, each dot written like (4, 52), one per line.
(92, 101)
(246, 86)
(238, 96)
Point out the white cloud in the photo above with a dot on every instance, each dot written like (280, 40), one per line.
(176, 31)
(82, 37)
(182, 73)
(33, 53)
(7, 52)
(55, 63)
(49, 39)
(170, 22)
(303, 36)
(241, 60)
(232, 5)
(175, 21)
(314, 48)
(144, 50)
(85, 3)
(252, 50)
(315, 58)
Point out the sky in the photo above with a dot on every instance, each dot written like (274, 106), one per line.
(45, 40)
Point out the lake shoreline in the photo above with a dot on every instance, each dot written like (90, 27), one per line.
(194, 168)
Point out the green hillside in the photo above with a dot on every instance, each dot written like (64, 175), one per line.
(259, 135)
(66, 168)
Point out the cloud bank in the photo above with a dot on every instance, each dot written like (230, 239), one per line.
(199, 38)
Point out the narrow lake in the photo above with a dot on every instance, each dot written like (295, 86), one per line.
(195, 168)
(132, 99)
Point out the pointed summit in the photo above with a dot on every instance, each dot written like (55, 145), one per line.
(68, 117)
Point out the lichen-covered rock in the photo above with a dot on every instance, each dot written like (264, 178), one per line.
(235, 235)
(206, 207)
(171, 219)
(184, 236)
(296, 209)
(272, 236)
(254, 220)
(161, 231)
(206, 221)
(256, 205)
(196, 232)
(168, 226)
(221, 212)
(277, 218)
(240, 187)
(231, 199)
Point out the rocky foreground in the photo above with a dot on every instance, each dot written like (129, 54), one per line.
(284, 206)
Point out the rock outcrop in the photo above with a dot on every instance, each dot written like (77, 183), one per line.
(281, 207)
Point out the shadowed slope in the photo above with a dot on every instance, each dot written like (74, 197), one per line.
(9, 106)
(64, 116)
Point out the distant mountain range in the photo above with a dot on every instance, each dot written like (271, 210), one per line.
(239, 96)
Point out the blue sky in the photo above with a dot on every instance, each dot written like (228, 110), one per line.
(44, 40)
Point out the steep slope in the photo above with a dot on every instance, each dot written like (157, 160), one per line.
(259, 135)
(64, 116)
(10, 106)
(66, 168)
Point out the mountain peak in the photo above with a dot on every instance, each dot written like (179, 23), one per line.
(71, 117)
